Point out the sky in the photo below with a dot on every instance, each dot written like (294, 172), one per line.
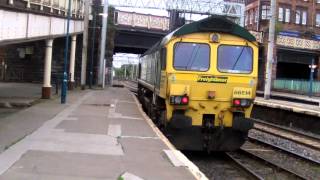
(122, 58)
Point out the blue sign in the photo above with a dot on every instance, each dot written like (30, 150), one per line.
(290, 33)
(316, 37)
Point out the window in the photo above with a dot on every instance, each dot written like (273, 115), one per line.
(163, 58)
(288, 13)
(318, 20)
(235, 59)
(301, 17)
(298, 16)
(251, 17)
(266, 14)
(280, 16)
(304, 17)
(287, 18)
(246, 20)
(256, 16)
(191, 56)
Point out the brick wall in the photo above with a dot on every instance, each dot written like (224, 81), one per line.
(25, 61)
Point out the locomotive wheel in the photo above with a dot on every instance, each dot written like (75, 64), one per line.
(162, 119)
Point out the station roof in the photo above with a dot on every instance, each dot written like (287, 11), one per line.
(214, 23)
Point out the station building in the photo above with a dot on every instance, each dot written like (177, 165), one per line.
(32, 41)
(297, 43)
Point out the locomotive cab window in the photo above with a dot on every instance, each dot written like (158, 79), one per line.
(191, 56)
(235, 59)
(163, 58)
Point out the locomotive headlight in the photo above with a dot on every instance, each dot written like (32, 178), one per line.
(241, 102)
(179, 100)
(215, 38)
(244, 102)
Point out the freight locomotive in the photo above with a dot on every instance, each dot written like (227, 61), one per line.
(199, 82)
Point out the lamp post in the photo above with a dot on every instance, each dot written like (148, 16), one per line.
(65, 59)
(270, 55)
(312, 68)
(92, 50)
(103, 44)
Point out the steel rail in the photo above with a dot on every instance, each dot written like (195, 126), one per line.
(275, 165)
(284, 149)
(290, 130)
(306, 137)
(131, 88)
(300, 142)
(248, 170)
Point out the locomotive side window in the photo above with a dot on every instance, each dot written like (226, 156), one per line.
(235, 59)
(191, 56)
(163, 58)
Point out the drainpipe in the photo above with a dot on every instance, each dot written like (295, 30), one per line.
(258, 23)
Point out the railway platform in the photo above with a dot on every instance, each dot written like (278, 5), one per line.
(314, 100)
(290, 102)
(98, 134)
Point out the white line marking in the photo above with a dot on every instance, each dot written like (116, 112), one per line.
(171, 154)
(129, 176)
(48, 138)
(140, 137)
(71, 119)
(114, 130)
(122, 101)
(113, 114)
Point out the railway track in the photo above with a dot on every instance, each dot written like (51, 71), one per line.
(132, 86)
(301, 144)
(291, 150)
(303, 138)
(281, 164)
(259, 167)
(219, 166)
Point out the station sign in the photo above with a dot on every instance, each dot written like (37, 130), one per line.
(294, 42)
(290, 33)
(142, 20)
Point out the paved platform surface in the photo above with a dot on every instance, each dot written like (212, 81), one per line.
(17, 95)
(97, 135)
(313, 99)
(312, 110)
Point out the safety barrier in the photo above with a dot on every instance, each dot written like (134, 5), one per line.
(296, 85)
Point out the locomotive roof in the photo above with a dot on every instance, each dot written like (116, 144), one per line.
(214, 23)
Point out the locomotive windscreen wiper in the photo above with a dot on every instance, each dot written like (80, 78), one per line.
(235, 63)
(193, 57)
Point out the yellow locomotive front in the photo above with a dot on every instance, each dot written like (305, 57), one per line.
(208, 86)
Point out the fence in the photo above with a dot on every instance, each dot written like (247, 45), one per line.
(296, 85)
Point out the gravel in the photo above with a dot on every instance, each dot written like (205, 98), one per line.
(217, 166)
(304, 167)
(285, 144)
